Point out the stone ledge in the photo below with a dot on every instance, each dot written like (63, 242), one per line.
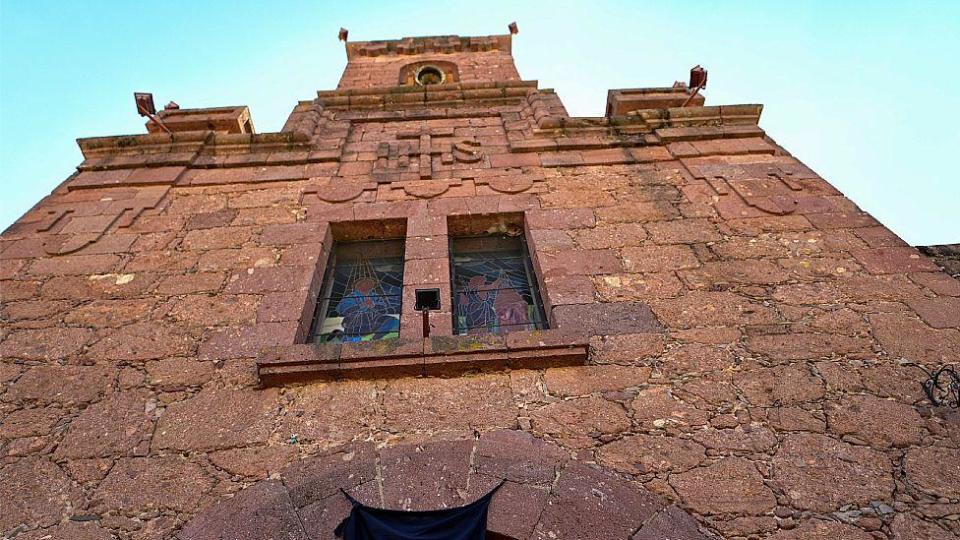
(441, 355)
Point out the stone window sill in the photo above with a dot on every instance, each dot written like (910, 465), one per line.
(434, 356)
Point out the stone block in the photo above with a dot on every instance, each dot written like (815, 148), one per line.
(217, 418)
(603, 319)
(590, 504)
(731, 485)
(259, 512)
(894, 260)
(315, 478)
(822, 474)
(437, 474)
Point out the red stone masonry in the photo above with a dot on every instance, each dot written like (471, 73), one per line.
(730, 337)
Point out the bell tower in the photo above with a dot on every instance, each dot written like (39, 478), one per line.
(427, 61)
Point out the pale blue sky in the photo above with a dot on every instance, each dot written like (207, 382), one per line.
(863, 92)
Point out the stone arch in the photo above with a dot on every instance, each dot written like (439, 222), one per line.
(546, 495)
(450, 71)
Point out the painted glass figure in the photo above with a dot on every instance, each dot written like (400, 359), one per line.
(361, 294)
(493, 286)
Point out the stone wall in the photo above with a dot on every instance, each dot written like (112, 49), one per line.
(750, 333)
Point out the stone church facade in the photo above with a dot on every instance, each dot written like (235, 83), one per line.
(652, 324)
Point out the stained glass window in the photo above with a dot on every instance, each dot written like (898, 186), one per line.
(360, 299)
(494, 287)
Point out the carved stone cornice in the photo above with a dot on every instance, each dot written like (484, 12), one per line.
(428, 45)
(400, 97)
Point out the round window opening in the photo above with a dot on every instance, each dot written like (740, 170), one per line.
(429, 75)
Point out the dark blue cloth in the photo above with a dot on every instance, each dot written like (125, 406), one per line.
(467, 522)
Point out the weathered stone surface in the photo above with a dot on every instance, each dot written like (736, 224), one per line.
(907, 337)
(449, 404)
(232, 342)
(219, 310)
(657, 407)
(114, 426)
(729, 486)
(98, 286)
(8, 372)
(903, 383)
(32, 310)
(332, 412)
(322, 517)
(894, 260)
(938, 282)
(110, 313)
(545, 240)
(670, 523)
(45, 343)
(713, 274)
(595, 505)
(317, 477)
(781, 385)
(11, 290)
(29, 422)
(207, 220)
(215, 238)
(628, 348)
(156, 483)
(823, 530)
(578, 423)
(579, 262)
(743, 440)
(254, 462)
(72, 530)
(582, 380)
(230, 259)
(191, 283)
(908, 527)
(709, 391)
(881, 423)
(644, 454)
(515, 509)
(74, 264)
(938, 312)
(683, 231)
(437, 474)
(36, 493)
(612, 318)
(796, 346)
(694, 358)
(143, 341)
(269, 279)
(822, 474)
(794, 419)
(518, 457)
(570, 289)
(659, 258)
(703, 308)
(637, 287)
(62, 384)
(935, 470)
(217, 418)
(262, 512)
(178, 373)
(613, 236)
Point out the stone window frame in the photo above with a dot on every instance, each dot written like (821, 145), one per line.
(510, 224)
(347, 232)
(324, 299)
(409, 73)
(426, 265)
